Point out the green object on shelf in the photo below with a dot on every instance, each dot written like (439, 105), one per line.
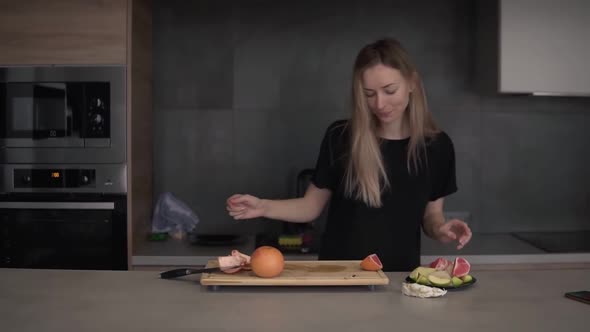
(158, 237)
(290, 240)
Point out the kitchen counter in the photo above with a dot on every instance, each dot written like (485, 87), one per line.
(56, 300)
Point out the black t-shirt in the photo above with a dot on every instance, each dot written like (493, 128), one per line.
(355, 230)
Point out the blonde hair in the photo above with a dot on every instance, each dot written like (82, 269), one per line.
(366, 177)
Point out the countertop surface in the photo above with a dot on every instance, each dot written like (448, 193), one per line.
(67, 300)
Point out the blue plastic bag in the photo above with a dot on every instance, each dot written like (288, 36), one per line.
(173, 216)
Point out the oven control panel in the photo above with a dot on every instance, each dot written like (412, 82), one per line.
(54, 178)
(63, 178)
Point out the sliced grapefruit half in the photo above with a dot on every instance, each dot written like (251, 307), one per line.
(371, 263)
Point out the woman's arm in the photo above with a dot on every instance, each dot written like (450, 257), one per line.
(435, 227)
(297, 210)
(433, 218)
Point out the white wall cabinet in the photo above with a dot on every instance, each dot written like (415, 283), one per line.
(544, 47)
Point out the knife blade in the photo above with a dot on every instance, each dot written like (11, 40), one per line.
(187, 271)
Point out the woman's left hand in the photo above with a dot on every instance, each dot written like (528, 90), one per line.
(454, 230)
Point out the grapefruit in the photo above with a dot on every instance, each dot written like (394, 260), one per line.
(440, 264)
(461, 267)
(371, 263)
(232, 271)
(450, 268)
(267, 262)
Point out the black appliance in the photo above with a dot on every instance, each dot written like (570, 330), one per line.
(63, 231)
(62, 115)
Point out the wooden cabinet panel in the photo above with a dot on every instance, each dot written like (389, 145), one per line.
(140, 122)
(63, 32)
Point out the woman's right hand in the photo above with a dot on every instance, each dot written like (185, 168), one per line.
(245, 207)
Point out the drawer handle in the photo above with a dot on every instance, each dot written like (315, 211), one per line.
(59, 205)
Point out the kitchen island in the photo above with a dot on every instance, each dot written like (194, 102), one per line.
(66, 300)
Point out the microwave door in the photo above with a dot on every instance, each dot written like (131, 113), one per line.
(49, 110)
(37, 116)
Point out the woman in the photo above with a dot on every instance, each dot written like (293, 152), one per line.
(385, 171)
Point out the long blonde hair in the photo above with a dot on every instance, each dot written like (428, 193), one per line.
(365, 176)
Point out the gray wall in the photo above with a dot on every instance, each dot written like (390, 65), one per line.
(244, 91)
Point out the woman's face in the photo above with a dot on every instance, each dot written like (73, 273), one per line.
(387, 92)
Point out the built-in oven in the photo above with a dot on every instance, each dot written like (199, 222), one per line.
(63, 232)
(63, 216)
(62, 114)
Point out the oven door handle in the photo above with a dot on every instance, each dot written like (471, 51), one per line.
(58, 205)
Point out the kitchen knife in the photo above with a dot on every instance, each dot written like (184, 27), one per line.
(186, 271)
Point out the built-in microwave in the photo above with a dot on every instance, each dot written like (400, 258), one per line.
(66, 114)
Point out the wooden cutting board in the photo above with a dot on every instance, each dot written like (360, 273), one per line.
(302, 273)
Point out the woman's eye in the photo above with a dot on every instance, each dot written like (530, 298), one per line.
(369, 95)
(390, 92)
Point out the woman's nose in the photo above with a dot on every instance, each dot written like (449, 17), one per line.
(379, 101)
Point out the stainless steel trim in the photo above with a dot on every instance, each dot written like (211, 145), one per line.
(64, 142)
(97, 142)
(58, 205)
(559, 94)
